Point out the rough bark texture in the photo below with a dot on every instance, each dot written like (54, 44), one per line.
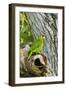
(46, 24)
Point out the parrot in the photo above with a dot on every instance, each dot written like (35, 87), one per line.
(37, 45)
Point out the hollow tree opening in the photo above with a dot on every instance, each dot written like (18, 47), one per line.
(37, 62)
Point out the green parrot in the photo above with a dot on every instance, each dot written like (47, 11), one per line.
(37, 45)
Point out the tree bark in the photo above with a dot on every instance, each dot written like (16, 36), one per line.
(46, 24)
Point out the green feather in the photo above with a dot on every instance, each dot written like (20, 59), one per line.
(37, 45)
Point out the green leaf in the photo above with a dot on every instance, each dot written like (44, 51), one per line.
(25, 30)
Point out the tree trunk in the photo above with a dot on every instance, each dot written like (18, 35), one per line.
(46, 24)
